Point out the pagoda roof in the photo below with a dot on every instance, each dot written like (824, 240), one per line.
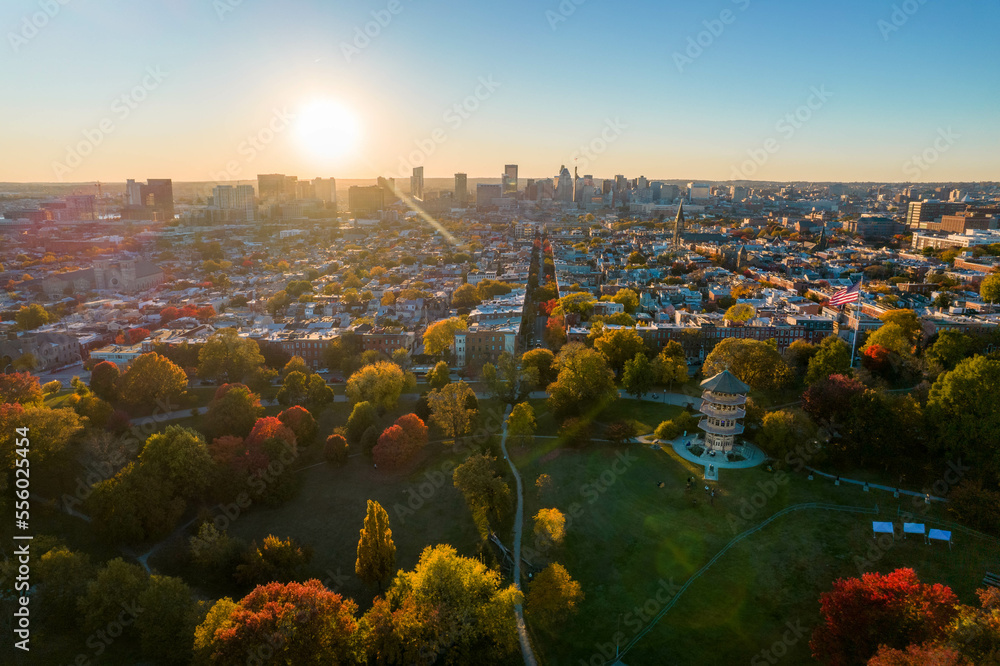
(725, 382)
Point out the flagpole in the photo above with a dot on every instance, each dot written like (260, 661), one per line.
(857, 306)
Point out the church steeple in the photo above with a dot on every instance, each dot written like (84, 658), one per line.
(679, 224)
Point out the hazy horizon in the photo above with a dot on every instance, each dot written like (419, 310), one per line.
(731, 90)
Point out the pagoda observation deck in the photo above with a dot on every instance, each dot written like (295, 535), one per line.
(722, 404)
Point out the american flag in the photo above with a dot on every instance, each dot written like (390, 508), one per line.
(850, 295)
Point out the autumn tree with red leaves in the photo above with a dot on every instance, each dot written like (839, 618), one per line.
(301, 423)
(830, 399)
(895, 610)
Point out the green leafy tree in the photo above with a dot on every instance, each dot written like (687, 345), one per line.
(62, 576)
(233, 411)
(950, 348)
(30, 317)
(295, 364)
(670, 366)
(740, 313)
(376, 550)
(754, 362)
(466, 296)
(118, 585)
(507, 381)
(541, 360)
(439, 336)
(179, 456)
(553, 597)
(782, 431)
(521, 424)
(989, 289)
(619, 346)
(274, 559)
(832, 357)
(638, 376)
(891, 337)
(450, 409)
(380, 384)
(226, 357)
(581, 303)
(363, 416)
(584, 381)
(964, 410)
(797, 356)
(294, 390)
(439, 376)
(908, 321)
(628, 299)
(152, 380)
(487, 495)
(168, 619)
(104, 380)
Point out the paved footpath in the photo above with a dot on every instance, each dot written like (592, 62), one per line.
(522, 630)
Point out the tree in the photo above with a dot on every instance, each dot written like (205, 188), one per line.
(343, 353)
(450, 411)
(22, 388)
(671, 364)
(620, 433)
(906, 320)
(638, 376)
(439, 336)
(30, 317)
(168, 619)
(295, 364)
(118, 585)
(541, 360)
(294, 390)
(401, 357)
(104, 381)
(449, 609)
(829, 400)
(989, 289)
(233, 411)
(882, 429)
(380, 384)
(667, 430)
(466, 296)
(782, 431)
(297, 623)
(364, 415)
(336, 449)
(832, 357)
(581, 303)
(974, 505)
(391, 451)
(891, 337)
(301, 423)
(584, 380)
(753, 362)
(318, 394)
(62, 576)
(949, 349)
(439, 375)
(619, 345)
(226, 357)
(555, 332)
(487, 495)
(489, 289)
(964, 409)
(798, 354)
(273, 560)
(550, 526)
(376, 549)
(627, 298)
(928, 654)
(152, 380)
(521, 424)
(740, 313)
(180, 457)
(861, 614)
(415, 432)
(552, 597)
(51, 431)
(507, 381)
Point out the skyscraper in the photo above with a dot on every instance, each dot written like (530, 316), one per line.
(366, 200)
(461, 188)
(158, 197)
(564, 185)
(679, 224)
(510, 180)
(486, 193)
(325, 189)
(417, 183)
(239, 200)
(270, 186)
(133, 195)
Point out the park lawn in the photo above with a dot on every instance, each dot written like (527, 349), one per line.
(646, 415)
(627, 539)
(328, 511)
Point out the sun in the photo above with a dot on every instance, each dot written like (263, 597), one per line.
(327, 129)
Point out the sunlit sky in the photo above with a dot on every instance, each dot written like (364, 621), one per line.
(233, 69)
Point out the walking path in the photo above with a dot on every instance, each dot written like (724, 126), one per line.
(522, 630)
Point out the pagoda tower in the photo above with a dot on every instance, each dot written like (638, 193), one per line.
(722, 404)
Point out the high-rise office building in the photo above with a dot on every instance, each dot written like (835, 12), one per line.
(158, 197)
(486, 193)
(699, 191)
(238, 201)
(462, 188)
(564, 185)
(325, 189)
(366, 200)
(510, 180)
(930, 210)
(417, 183)
(271, 186)
(133, 195)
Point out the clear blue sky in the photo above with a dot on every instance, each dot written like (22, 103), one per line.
(230, 65)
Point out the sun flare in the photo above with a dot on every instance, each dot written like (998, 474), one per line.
(327, 129)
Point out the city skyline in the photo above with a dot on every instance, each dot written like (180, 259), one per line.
(857, 92)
